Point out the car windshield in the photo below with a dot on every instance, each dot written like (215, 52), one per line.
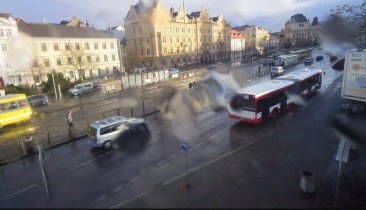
(78, 86)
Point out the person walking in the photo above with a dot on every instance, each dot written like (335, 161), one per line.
(69, 121)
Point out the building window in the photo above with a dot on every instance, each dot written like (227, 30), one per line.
(134, 42)
(4, 48)
(58, 61)
(67, 46)
(176, 30)
(8, 32)
(170, 29)
(89, 59)
(148, 51)
(69, 60)
(134, 31)
(87, 46)
(104, 45)
(140, 41)
(46, 62)
(105, 58)
(164, 39)
(171, 39)
(165, 50)
(91, 72)
(112, 45)
(171, 50)
(147, 40)
(55, 47)
(79, 60)
(142, 51)
(95, 45)
(44, 47)
(182, 30)
(113, 57)
(1, 32)
(178, 50)
(97, 58)
(77, 45)
(140, 31)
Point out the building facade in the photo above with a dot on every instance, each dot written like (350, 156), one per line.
(237, 45)
(254, 35)
(75, 51)
(9, 73)
(156, 37)
(299, 32)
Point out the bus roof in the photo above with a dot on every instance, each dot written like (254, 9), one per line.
(11, 97)
(287, 56)
(265, 87)
(301, 74)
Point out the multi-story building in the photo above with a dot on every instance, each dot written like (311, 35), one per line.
(298, 32)
(9, 73)
(76, 51)
(254, 35)
(156, 37)
(271, 45)
(237, 45)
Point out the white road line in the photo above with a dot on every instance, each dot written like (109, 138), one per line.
(78, 166)
(19, 191)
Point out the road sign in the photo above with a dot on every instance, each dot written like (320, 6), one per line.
(184, 146)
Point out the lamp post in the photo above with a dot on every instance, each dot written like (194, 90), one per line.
(293, 46)
(312, 42)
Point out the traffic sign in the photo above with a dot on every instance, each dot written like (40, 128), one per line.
(184, 146)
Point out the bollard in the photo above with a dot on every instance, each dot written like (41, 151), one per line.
(307, 182)
(48, 137)
(118, 112)
(131, 112)
(143, 108)
(20, 147)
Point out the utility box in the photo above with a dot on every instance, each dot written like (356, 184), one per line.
(354, 77)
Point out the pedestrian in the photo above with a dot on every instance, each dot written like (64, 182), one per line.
(69, 119)
(190, 85)
(105, 78)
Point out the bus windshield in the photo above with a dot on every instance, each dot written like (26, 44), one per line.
(243, 102)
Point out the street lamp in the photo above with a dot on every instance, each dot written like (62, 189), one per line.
(293, 46)
(312, 42)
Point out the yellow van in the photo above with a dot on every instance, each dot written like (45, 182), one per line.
(14, 108)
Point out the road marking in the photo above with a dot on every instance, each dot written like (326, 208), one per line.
(19, 191)
(134, 179)
(208, 163)
(117, 189)
(80, 165)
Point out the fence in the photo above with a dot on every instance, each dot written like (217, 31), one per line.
(27, 144)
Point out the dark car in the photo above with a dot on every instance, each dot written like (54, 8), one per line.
(333, 58)
(37, 100)
(245, 60)
(97, 85)
(319, 58)
(212, 66)
(308, 61)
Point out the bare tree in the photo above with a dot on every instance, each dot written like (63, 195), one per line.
(133, 58)
(80, 59)
(356, 14)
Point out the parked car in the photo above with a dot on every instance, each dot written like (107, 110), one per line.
(319, 58)
(308, 61)
(82, 88)
(277, 70)
(333, 58)
(97, 85)
(245, 60)
(174, 73)
(37, 100)
(104, 133)
(212, 66)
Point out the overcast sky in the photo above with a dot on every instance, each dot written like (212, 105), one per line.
(271, 14)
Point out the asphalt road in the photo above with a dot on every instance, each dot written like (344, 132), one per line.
(80, 176)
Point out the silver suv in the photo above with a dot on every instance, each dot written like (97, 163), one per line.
(81, 89)
(277, 70)
(103, 133)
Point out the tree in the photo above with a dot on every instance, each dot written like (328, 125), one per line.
(133, 58)
(315, 21)
(356, 14)
(59, 79)
(80, 59)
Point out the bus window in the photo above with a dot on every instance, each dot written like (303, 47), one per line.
(22, 103)
(4, 107)
(243, 102)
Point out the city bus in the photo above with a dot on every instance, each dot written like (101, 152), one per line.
(301, 53)
(257, 103)
(14, 108)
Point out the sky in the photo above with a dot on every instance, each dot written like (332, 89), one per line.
(270, 14)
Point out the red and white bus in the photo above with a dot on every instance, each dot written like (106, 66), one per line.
(257, 103)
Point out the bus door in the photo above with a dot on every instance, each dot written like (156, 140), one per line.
(263, 106)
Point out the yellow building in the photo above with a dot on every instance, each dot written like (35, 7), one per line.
(156, 37)
(74, 50)
(254, 36)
